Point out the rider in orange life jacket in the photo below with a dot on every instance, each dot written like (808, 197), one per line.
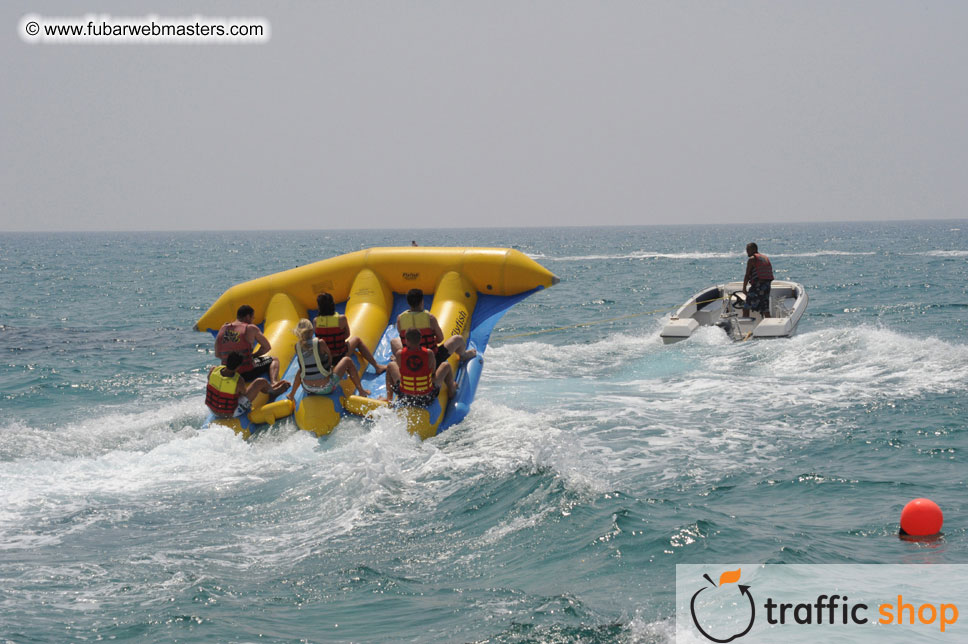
(415, 376)
(241, 335)
(316, 374)
(226, 388)
(759, 275)
(334, 329)
(431, 337)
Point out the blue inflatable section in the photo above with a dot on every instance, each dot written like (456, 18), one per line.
(488, 312)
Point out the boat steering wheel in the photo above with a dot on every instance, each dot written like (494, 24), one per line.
(737, 300)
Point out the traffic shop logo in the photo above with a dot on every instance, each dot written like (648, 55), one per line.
(725, 590)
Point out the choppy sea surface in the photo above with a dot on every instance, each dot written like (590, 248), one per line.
(594, 458)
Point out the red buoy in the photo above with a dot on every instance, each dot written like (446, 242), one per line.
(921, 518)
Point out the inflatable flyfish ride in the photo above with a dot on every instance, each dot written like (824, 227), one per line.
(466, 289)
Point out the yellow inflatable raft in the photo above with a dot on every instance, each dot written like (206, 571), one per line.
(469, 288)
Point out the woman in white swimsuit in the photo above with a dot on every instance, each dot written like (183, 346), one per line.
(316, 374)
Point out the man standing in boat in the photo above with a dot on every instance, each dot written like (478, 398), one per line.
(241, 336)
(759, 276)
(430, 333)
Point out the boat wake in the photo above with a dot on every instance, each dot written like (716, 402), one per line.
(708, 407)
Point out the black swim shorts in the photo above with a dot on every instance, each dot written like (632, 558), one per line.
(261, 369)
(425, 400)
(758, 296)
(441, 355)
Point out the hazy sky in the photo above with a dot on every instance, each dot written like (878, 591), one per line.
(364, 114)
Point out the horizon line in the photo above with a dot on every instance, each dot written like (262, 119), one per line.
(520, 227)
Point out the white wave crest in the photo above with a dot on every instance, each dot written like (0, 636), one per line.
(361, 473)
(99, 485)
(689, 256)
(942, 253)
(822, 253)
(639, 255)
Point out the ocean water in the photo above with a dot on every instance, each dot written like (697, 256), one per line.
(594, 459)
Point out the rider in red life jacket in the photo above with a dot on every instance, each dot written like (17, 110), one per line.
(241, 336)
(759, 276)
(431, 336)
(334, 330)
(226, 389)
(415, 375)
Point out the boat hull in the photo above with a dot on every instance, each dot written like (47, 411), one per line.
(717, 306)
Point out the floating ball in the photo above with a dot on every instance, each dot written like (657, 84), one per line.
(921, 518)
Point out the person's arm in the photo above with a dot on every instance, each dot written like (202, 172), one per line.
(218, 343)
(433, 364)
(438, 334)
(344, 324)
(264, 346)
(295, 385)
(324, 348)
(749, 273)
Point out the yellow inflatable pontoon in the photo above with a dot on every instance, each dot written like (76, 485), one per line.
(469, 290)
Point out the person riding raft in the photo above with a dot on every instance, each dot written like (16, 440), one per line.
(227, 395)
(415, 376)
(316, 374)
(242, 336)
(333, 329)
(431, 336)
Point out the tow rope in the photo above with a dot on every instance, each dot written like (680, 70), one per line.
(603, 321)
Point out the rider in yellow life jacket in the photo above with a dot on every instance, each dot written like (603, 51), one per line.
(333, 329)
(431, 336)
(415, 376)
(226, 389)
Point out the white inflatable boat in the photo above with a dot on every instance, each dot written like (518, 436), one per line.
(722, 306)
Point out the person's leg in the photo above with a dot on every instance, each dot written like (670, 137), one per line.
(445, 376)
(256, 387)
(346, 366)
(392, 379)
(396, 346)
(270, 368)
(456, 344)
(354, 343)
(278, 387)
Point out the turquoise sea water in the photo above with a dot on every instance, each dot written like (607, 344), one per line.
(592, 462)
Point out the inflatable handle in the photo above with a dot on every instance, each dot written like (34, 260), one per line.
(271, 412)
(280, 319)
(454, 302)
(368, 310)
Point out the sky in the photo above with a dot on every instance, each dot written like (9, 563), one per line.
(386, 114)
